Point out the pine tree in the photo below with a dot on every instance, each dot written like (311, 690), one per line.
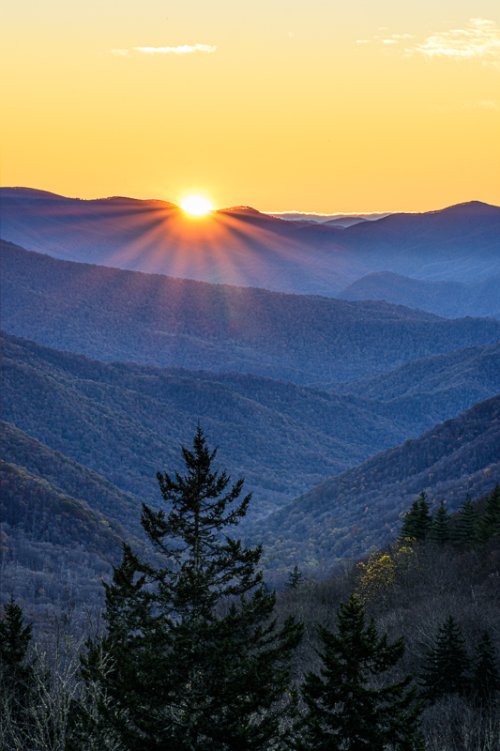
(197, 661)
(486, 677)
(16, 673)
(440, 526)
(447, 664)
(345, 710)
(295, 578)
(464, 530)
(417, 521)
(489, 523)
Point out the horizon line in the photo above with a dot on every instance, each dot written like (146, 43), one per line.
(261, 211)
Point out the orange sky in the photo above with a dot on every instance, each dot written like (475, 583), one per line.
(282, 105)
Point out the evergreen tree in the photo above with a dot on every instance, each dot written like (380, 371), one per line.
(16, 675)
(295, 578)
(447, 665)
(464, 530)
(440, 526)
(417, 520)
(489, 523)
(486, 677)
(195, 659)
(346, 707)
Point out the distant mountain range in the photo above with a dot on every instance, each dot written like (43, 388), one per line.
(432, 388)
(126, 422)
(338, 220)
(122, 315)
(104, 430)
(451, 299)
(245, 247)
(106, 371)
(352, 514)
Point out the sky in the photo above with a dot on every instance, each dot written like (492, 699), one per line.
(325, 105)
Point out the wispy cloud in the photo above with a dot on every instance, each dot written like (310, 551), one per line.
(484, 104)
(180, 49)
(490, 105)
(479, 39)
(386, 38)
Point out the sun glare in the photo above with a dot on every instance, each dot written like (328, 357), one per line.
(196, 206)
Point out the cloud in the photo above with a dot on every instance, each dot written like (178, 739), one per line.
(484, 104)
(480, 40)
(490, 105)
(388, 39)
(180, 49)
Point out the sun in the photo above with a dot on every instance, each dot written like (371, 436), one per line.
(196, 205)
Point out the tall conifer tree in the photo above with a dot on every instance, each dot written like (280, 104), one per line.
(16, 675)
(464, 530)
(417, 520)
(440, 526)
(489, 524)
(197, 661)
(486, 678)
(347, 708)
(447, 664)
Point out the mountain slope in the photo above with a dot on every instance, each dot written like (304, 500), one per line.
(243, 246)
(126, 422)
(172, 322)
(54, 548)
(450, 299)
(434, 387)
(359, 510)
(69, 478)
(459, 243)
(233, 246)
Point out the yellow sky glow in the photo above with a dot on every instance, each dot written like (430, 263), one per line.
(283, 106)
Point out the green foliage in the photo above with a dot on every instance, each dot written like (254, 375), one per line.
(440, 526)
(417, 521)
(197, 661)
(464, 530)
(447, 664)
(348, 705)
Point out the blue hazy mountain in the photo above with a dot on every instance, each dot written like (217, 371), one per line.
(245, 247)
(354, 513)
(111, 314)
(452, 299)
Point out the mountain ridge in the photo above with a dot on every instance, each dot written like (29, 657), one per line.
(359, 510)
(240, 245)
(181, 323)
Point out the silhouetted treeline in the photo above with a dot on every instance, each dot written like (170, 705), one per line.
(425, 608)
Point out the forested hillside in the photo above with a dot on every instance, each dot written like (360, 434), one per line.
(126, 421)
(352, 514)
(452, 299)
(54, 548)
(241, 245)
(172, 322)
(432, 386)
(411, 588)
